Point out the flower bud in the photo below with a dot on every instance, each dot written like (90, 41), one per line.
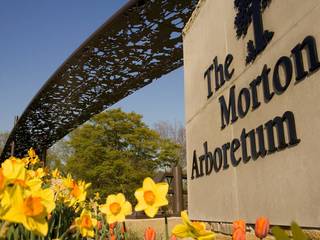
(239, 230)
(239, 235)
(239, 224)
(262, 227)
(173, 237)
(150, 234)
(99, 225)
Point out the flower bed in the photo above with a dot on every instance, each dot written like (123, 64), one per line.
(40, 204)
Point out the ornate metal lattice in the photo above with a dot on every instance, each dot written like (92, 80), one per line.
(137, 45)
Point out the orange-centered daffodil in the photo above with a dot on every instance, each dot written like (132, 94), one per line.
(195, 230)
(151, 197)
(86, 224)
(30, 209)
(56, 173)
(116, 208)
(77, 190)
(15, 174)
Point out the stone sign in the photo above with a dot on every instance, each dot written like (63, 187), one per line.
(252, 87)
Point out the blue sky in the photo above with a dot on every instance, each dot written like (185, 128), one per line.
(37, 36)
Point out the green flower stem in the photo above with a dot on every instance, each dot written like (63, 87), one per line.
(66, 232)
(96, 230)
(32, 236)
(124, 231)
(59, 225)
(166, 225)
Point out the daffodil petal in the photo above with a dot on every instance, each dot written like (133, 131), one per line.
(104, 209)
(47, 197)
(127, 208)
(186, 219)
(151, 211)
(141, 206)
(77, 221)
(111, 219)
(139, 194)
(111, 199)
(161, 202)
(162, 189)
(120, 198)
(90, 233)
(84, 232)
(181, 231)
(120, 217)
(39, 226)
(14, 168)
(14, 195)
(94, 222)
(34, 184)
(149, 184)
(210, 236)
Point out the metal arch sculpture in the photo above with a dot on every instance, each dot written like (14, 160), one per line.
(139, 43)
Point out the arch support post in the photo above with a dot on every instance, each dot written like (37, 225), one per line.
(177, 189)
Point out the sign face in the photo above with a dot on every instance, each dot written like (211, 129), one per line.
(252, 87)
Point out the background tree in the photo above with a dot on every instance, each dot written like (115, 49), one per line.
(175, 132)
(115, 151)
(58, 155)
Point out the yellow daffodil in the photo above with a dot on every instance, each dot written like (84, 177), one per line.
(38, 173)
(86, 224)
(14, 169)
(56, 173)
(31, 210)
(59, 189)
(195, 230)
(78, 191)
(15, 174)
(97, 196)
(116, 208)
(26, 161)
(12, 176)
(151, 197)
(33, 157)
(68, 181)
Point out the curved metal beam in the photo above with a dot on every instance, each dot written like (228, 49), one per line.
(138, 44)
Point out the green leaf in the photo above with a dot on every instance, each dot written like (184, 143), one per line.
(297, 232)
(279, 233)
(16, 234)
(10, 232)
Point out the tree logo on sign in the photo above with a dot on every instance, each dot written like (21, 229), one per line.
(251, 11)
